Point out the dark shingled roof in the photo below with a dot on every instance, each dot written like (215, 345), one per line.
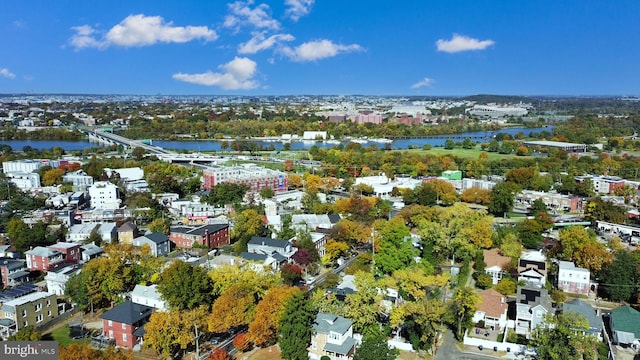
(157, 237)
(128, 313)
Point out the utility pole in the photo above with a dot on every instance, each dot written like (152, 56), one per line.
(197, 342)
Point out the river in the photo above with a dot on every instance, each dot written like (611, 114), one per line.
(214, 145)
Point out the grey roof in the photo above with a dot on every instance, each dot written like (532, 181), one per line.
(42, 251)
(199, 230)
(150, 292)
(265, 241)
(18, 274)
(91, 249)
(253, 256)
(334, 218)
(13, 264)
(128, 313)
(7, 322)
(580, 307)
(345, 348)
(157, 237)
(533, 297)
(326, 323)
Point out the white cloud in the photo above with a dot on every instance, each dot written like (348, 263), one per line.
(426, 82)
(460, 43)
(237, 74)
(319, 49)
(298, 8)
(4, 72)
(84, 38)
(243, 15)
(140, 30)
(258, 42)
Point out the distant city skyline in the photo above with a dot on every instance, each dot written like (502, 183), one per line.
(329, 47)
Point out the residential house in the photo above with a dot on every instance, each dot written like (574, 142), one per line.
(260, 262)
(42, 258)
(496, 264)
(332, 337)
(13, 272)
(269, 246)
(36, 309)
(70, 251)
(572, 279)
(149, 296)
(492, 310)
(108, 232)
(9, 251)
(158, 243)
(625, 325)
(124, 324)
(127, 232)
(532, 304)
(57, 278)
(211, 235)
(90, 251)
(532, 268)
(580, 307)
(80, 232)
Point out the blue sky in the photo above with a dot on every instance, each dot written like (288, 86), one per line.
(370, 47)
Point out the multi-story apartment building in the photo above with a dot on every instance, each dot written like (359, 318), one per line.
(104, 195)
(255, 177)
(34, 309)
(211, 235)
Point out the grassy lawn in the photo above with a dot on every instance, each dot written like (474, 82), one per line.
(62, 335)
(463, 153)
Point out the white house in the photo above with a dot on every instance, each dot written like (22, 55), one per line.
(57, 278)
(148, 295)
(80, 232)
(573, 279)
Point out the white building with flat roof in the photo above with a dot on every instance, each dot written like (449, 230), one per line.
(104, 195)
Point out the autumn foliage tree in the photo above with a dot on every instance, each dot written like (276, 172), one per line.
(264, 328)
(220, 354)
(233, 308)
(84, 351)
(242, 342)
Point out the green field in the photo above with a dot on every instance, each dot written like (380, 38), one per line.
(463, 153)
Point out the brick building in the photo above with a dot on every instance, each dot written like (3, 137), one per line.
(255, 177)
(211, 235)
(124, 324)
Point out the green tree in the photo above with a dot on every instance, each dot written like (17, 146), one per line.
(186, 287)
(296, 328)
(393, 247)
(465, 304)
(138, 153)
(564, 338)
(27, 333)
(225, 193)
(621, 278)
(502, 196)
(374, 346)
(247, 224)
(267, 193)
(449, 144)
